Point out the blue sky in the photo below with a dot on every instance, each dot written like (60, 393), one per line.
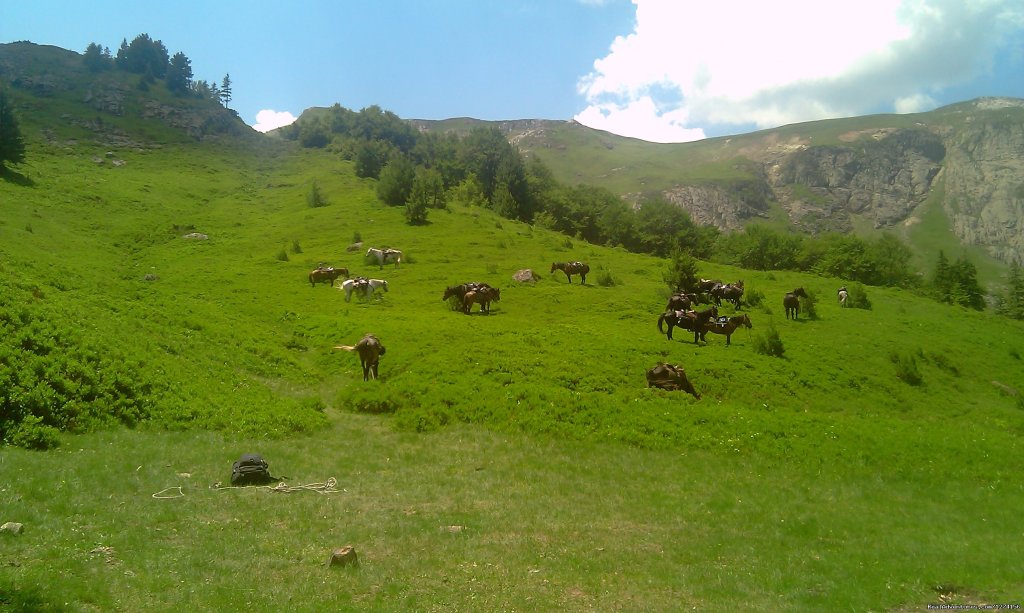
(661, 70)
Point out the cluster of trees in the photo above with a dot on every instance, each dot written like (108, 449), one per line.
(150, 59)
(1011, 302)
(957, 283)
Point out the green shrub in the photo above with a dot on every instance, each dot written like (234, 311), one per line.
(605, 279)
(315, 197)
(32, 433)
(807, 305)
(296, 247)
(769, 342)
(857, 297)
(753, 297)
(282, 255)
(906, 368)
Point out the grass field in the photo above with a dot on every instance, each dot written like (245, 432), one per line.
(513, 461)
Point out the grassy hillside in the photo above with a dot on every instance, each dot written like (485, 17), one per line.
(830, 478)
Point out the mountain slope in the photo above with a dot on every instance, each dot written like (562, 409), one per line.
(531, 464)
(857, 174)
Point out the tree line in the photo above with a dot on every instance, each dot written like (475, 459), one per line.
(150, 59)
(427, 170)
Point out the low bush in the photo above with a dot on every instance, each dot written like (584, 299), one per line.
(857, 297)
(769, 342)
(906, 368)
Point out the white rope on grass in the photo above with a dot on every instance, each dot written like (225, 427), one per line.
(330, 487)
(160, 495)
(320, 488)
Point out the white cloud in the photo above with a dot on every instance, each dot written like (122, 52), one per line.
(269, 119)
(693, 65)
(915, 104)
(641, 119)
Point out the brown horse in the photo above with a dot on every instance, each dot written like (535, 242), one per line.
(326, 275)
(687, 320)
(572, 268)
(670, 377)
(459, 292)
(731, 292)
(370, 350)
(482, 296)
(681, 302)
(791, 302)
(729, 326)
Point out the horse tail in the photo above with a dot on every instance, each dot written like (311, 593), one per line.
(661, 318)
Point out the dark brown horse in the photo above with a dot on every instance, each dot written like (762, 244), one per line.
(326, 275)
(687, 320)
(729, 326)
(572, 268)
(482, 296)
(459, 292)
(791, 302)
(681, 302)
(370, 350)
(731, 292)
(670, 377)
(706, 285)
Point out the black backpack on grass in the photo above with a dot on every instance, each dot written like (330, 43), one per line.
(251, 469)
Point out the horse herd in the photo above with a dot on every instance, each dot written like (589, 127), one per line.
(679, 312)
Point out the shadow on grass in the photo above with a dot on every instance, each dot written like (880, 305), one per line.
(15, 177)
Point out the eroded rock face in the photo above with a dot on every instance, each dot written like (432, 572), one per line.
(984, 187)
(972, 160)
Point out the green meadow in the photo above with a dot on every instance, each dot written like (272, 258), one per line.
(514, 461)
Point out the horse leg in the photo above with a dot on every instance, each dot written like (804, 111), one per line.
(583, 279)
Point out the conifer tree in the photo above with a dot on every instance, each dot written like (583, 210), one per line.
(179, 74)
(225, 90)
(12, 147)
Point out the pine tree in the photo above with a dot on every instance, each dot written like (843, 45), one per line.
(179, 74)
(681, 275)
(12, 147)
(95, 59)
(225, 90)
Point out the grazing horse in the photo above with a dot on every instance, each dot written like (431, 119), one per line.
(482, 296)
(670, 377)
(729, 326)
(681, 302)
(324, 275)
(459, 292)
(363, 288)
(843, 296)
(791, 302)
(572, 268)
(687, 320)
(385, 256)
(706, 285)
(370, 350)
(730, 291)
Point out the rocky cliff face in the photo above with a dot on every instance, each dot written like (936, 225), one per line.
(971, 155)
(984, 180)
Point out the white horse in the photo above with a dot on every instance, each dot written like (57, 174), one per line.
(843, 295)
(385, 256)
(364, 288)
